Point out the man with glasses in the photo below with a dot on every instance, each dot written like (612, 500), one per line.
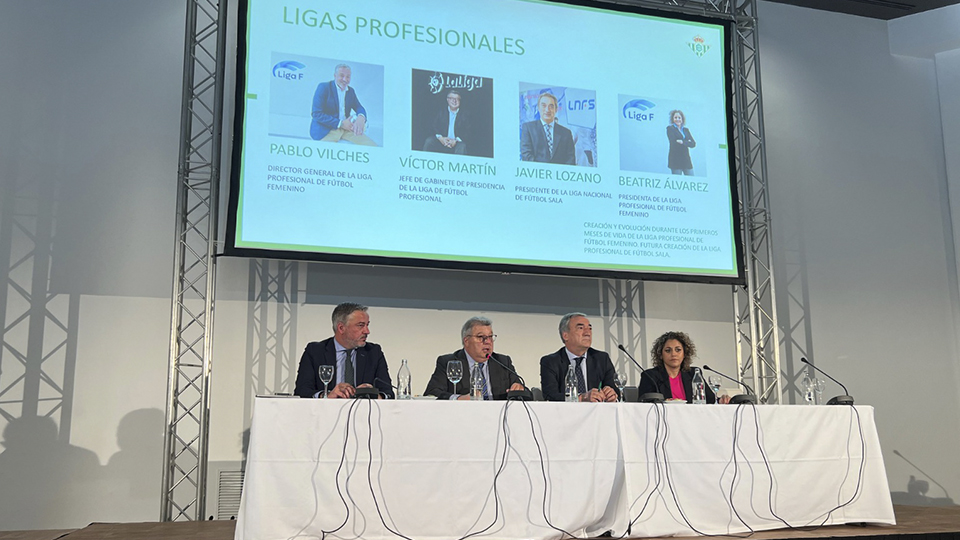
(596, 376)
(450, 129)
(497, 373)
(356, 362)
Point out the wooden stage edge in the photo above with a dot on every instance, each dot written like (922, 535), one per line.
(916, 522)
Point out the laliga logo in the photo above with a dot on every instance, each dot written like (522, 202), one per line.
(637, 110)
(436, 83)
(288, 69)
(698, 46)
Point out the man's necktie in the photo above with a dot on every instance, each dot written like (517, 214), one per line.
(549, 132)
(581, 384)
(348, 374)
(483, 381)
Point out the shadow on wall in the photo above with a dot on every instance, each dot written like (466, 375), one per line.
(46, 482)
(916, 493)
(51, 484)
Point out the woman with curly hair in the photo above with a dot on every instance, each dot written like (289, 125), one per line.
(671, 374)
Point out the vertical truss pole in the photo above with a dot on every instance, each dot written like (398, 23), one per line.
(757, 329)
(622, 309)
(271, 328)
(186, 440)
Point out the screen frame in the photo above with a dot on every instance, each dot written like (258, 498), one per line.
(236, 152)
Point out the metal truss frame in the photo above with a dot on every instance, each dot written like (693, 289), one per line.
(755, 305)
(272, 330)
(186, 440)
(622, 310)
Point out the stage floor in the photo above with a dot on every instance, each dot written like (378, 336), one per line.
(918, 522)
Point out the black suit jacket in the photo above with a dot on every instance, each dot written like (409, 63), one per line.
(657, 380)
(679, 155)
(534, 147)
(370, 366)
(461, 126)
(501, 379)
(554, 367)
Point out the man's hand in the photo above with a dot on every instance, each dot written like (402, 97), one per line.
(346, 125)
(359, 125)
(609, 394)
(465, 397)
(516, 386)
(342, 390)
(723, 399)
(594, 395)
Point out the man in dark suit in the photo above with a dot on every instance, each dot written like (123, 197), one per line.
(451, 129)
(596, 378)
(545, 140)
(355, 362)
(337, 113)
(498, 375)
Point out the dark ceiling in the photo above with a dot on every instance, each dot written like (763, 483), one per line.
(875, 9)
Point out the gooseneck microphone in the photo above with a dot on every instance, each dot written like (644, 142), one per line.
(750, 397)
(647, 397)
(514, 395)
(845, 399)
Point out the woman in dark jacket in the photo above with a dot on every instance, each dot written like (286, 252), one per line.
(680, 144)
(671, 374)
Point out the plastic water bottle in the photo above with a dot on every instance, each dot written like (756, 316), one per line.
(572, 394)
(699, 388)
(404, 381)
(476, 378)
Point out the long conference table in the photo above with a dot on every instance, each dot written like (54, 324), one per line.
(426, 470)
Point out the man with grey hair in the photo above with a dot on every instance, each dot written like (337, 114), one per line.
(596, 376)
(356, 362)
(497, 373)
(337, 113)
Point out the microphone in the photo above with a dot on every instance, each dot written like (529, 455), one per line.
(739, 398)
(514, 395)
(648, 397)
(845, 399)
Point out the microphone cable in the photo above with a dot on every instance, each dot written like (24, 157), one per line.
(316, 494)
(503, 462)
(543, 473)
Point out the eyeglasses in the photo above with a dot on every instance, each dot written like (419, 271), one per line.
(483, 339)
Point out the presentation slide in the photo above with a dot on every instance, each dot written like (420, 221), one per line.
(511, 135)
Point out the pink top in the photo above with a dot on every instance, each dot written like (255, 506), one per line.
(676, 388)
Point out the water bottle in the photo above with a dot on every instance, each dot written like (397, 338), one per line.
(572, 394)
(403, 381)
(476, 378)
(699, 388)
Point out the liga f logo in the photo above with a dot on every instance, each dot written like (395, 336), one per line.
(698, 46)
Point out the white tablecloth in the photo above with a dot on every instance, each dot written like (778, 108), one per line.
(426, 469)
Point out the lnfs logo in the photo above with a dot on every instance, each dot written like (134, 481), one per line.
(698, 46)
(638, 110)
(290, 70)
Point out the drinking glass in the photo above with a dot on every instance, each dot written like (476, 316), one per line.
(818, 388)
(326, 375)
(454, 373)
(714, 382)
(807, 386)
(620, 380)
